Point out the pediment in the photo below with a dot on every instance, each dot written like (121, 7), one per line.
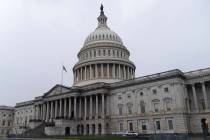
(57, 90)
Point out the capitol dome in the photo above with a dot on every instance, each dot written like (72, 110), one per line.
(103, 57)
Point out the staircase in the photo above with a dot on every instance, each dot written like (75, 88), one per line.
(34, 133)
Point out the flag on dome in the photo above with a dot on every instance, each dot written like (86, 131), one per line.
(64, 68)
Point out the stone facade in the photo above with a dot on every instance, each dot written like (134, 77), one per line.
(106, 98)
(6, 120)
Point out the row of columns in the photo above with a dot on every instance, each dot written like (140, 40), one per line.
(195, 94)
(103, 70)
(76, 106)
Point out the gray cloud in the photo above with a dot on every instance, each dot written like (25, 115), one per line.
(37, 36)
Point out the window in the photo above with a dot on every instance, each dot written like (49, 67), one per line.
(131, 126)
(168, 105)
(119, 97)
(143, 126)
(157, 125)
(154, 91)
(156, 107)
(120, 110)
(129, 109)
(121, 127)
(3, 123)
(170, 125)
(142, 106)
(141, 93)
(104, 51)
(166, 90)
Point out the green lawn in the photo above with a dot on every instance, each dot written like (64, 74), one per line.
(95, 138)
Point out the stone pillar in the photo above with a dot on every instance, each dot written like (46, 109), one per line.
(108, 71)
(85, 108)
(47, 116)
(69, 107)
(56, 108)
(91, 107)
(60, 114)
(85, 72)
(102, 70)
(113, 71)
(65, 108)
(204, 95)
(124, 71)
(51, 115)
(195, 98)
(96, 71)
(103, 106)
(107, 105)
(75, 107)
(44, 112)
(91, 75)
(96, 117)
(80, 107)
(102, 128)
(119, 75)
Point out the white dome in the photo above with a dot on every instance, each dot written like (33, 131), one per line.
(103, 34)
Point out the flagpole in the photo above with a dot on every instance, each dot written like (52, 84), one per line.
(61, 77)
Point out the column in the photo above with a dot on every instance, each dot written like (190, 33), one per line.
(80, 107)
(113, 71)
(56, 108)
(75, 107)
(85, 72)
(195, 97)
(91, 76)
(124, 72)
(91, 107)
(85, 108)
(107, 105)
(47, 116)
(69, 107)
(103, 106)
(204, 94)
(96, 71)
(108, 71)
(102, 70)
(119, 71)
(44, 112)
(51, 115)
(60, 114)
(96, 117)
(65, 115)
(35, 112)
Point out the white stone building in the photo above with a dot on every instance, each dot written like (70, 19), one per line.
(106, 97)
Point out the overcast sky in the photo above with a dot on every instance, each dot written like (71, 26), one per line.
(37, 36)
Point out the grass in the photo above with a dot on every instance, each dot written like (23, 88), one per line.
(95, 138)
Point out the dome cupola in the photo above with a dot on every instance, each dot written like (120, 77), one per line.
(103, 57)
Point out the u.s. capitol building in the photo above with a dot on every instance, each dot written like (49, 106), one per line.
(106, 97)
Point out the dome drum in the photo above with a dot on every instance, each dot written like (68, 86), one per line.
(103, 71)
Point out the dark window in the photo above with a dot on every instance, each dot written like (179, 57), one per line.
(166, 90)
(158, 125)
(170, 125)
(154, 91)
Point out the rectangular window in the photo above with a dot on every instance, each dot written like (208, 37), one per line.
(166, 90)
(156, 107)
(154, 91)
(170, 125)
(129, 110)
(121, 127)
(144, 126)
(131, 126)
(120, 110)
(157, 125)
